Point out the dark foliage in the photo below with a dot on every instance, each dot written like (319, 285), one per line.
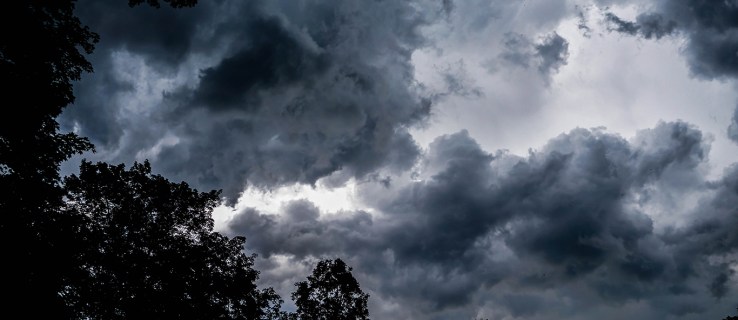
(330, 293)
(42, 47)
(41, 53)
(149, 252)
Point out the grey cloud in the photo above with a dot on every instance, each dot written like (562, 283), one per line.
(92, 113)
(583, 21)
(646, 25)
(554, 51)
(300, 232)
(282, 96)
(523, 305)
(710, 27)
(654, 26)
(289, 93)
(440, 209)
(733, 128)
(518, 50)
(164, 35)
(568, 215)
(712, 232)
(272, 57)
(547, 55)
(718, 286)
(620, 25)
(457, 82)
(580, 222)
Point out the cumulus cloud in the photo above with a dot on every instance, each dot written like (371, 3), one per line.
(255, 92)
(710, 27)
(273, 93)
(571, 217)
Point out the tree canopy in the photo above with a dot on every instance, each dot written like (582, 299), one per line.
(42, 47)
(149, 251)
(331, 292)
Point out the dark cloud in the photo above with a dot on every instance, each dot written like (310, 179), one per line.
(718, 286)
(733, 128)
(440, 209)
(711, 28)
(568, 215)
(523, 305)
(583, 21)
(646, 25)
(267, 93)
(548, 54)
(272, 57)
(164, 35)
(300, 231)
(94, 102)
(553, 50)
(281, 96)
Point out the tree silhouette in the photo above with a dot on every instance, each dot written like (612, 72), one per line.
(42, 52)
(149, 251)
(42, 46)
(330, 293)
(40, 57)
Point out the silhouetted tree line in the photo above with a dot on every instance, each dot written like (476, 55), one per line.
(111, 242)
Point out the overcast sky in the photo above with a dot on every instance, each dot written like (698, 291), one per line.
(537, 159)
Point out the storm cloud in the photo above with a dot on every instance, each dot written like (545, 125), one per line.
(276, 95)
(401, 101)
(709, 26)
(570, 215)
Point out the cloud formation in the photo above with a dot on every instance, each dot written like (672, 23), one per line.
(274, 93)
(570, 217)
(709, 26)
(733, 128)
(276, 96)
(546, 55)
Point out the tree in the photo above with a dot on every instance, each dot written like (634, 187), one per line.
(148, 251)
(42, 52)
(330, 293)
(42, 46)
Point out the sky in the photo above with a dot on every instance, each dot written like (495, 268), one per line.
(526, 159)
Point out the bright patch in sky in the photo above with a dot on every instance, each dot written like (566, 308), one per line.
(327, 199)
